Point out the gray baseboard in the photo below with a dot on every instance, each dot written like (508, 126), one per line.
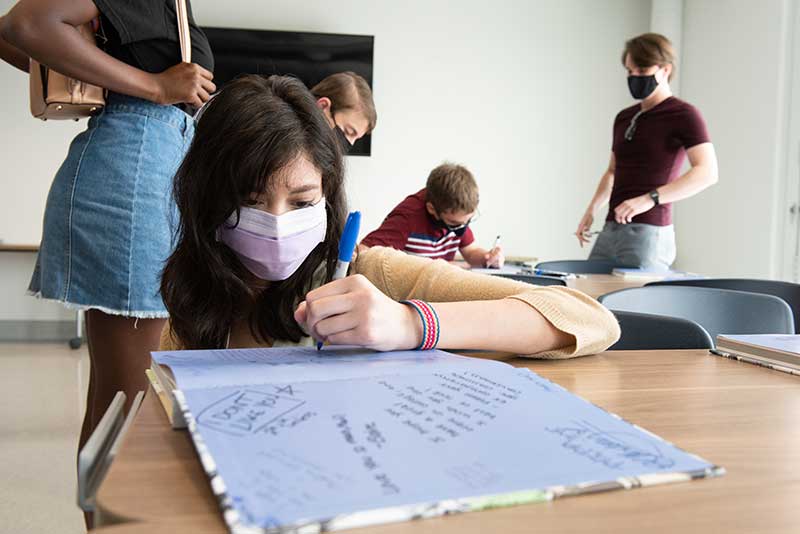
(37, 331)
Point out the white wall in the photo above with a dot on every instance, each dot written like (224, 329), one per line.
(666, 18)
(735, 57)
(30, 153)
(15, 305)
(523, 93)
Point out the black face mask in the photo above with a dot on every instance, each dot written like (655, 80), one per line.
(642, 86)
(458, 229)
(343, 141)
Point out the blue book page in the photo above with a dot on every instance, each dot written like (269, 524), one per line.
(231, 367)
(319, 452)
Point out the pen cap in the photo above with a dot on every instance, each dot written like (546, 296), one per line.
(349, 236)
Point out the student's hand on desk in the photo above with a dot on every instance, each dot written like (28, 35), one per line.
(584, 227)
(352, 311)
(495, 258)
(625, 212)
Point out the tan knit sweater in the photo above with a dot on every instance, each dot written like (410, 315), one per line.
(402, 276)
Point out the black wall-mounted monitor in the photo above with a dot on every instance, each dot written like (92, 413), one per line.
(309, 56)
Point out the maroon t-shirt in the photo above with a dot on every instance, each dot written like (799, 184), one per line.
(655, 155)
(410, 228)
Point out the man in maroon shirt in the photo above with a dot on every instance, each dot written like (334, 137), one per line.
(434, 222)
(651, 141)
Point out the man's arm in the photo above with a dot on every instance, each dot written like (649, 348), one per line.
(601, 197)
(704, 173)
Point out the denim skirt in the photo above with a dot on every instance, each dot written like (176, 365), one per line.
(110, 215)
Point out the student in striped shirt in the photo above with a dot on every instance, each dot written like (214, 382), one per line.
(434, 222)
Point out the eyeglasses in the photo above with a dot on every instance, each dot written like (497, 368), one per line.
(632, 126)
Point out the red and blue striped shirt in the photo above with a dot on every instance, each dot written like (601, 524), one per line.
(410, 228)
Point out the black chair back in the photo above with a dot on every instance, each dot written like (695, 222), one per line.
(645, 331)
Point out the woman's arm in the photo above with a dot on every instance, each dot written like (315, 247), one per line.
(704, 173)
(11, 54)
(476, 311)
(46, 30)
(352, 311)
(601, 197)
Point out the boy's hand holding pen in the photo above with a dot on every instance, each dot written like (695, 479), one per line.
(495, 258)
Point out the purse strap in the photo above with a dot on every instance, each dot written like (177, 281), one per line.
(183, 30)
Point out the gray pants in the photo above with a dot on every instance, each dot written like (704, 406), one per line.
(636, 245)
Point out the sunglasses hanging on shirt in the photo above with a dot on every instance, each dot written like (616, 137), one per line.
(631, 129)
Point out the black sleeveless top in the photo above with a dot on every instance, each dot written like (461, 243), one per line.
(144, 34)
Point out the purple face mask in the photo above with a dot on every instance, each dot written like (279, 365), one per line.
(272, 247)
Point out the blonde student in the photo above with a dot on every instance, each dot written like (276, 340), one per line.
(262, 207)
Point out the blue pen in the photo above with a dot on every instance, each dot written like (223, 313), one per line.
(347, 245)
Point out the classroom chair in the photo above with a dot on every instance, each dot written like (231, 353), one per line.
(645, 331)
(536, 280)
(102, 446)
(719, 311)
(786, 290)
(579, 266)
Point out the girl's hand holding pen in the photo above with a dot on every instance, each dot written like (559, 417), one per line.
(352, 311)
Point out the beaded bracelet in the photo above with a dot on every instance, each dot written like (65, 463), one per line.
(430, 323)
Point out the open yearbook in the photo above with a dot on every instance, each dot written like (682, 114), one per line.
(293, 439)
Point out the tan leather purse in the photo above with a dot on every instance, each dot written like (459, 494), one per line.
(55, 96)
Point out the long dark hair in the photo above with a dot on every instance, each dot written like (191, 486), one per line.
(247, 134)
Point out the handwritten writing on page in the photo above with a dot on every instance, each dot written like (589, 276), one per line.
(315, 451)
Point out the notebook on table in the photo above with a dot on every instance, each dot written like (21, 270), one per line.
(780, 352)
(654, 274)
(505, 269)
(296, 439)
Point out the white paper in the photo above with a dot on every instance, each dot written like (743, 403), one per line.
(423, 429)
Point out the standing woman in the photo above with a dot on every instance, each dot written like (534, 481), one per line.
(109, 214)
(650, 143)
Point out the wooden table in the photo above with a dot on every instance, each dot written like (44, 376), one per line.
(740, 416)
(595, 285)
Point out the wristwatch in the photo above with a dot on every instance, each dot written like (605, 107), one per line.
(654, 195)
